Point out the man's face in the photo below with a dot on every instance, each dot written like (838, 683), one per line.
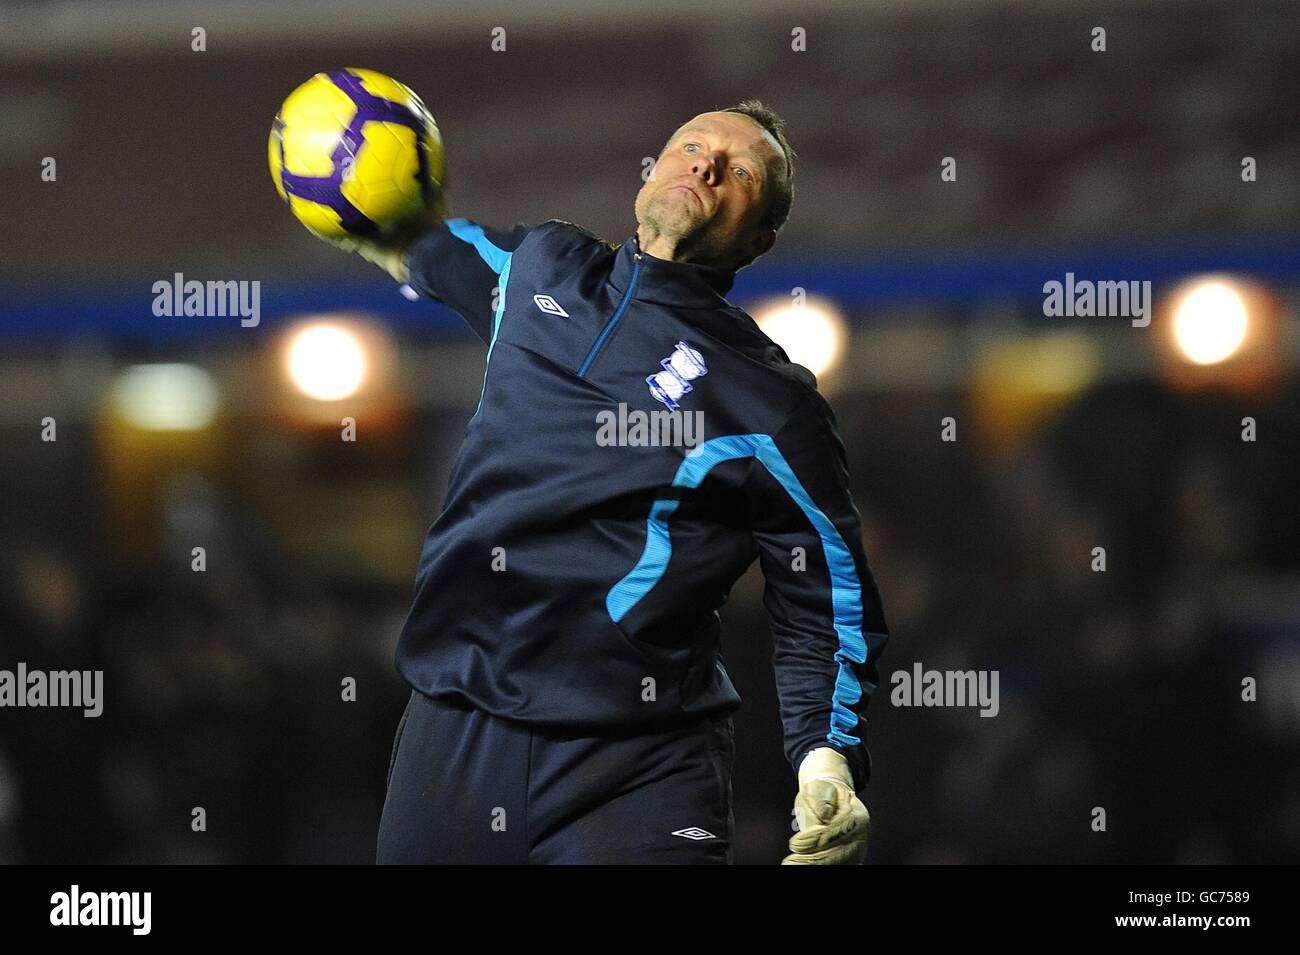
(710, 190)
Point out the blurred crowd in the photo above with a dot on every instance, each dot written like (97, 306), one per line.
(1122, 689)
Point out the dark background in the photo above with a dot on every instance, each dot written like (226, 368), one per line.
(1119, 689)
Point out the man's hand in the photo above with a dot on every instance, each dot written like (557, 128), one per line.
(389, 251)
(388, 255)
(833, 823)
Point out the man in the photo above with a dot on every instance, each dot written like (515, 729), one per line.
(570, 702)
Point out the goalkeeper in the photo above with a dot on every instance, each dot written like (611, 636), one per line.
(569, 698)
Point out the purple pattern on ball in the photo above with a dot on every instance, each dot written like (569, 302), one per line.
(327, 190)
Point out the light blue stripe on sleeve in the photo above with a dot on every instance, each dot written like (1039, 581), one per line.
(846, 589)
(471, 233)
(498, 260)
(503, 281)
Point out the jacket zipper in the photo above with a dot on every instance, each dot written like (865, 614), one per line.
(609, 326)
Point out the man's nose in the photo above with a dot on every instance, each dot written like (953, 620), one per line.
(707, 166)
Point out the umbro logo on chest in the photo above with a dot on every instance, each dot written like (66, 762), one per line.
(549, 305)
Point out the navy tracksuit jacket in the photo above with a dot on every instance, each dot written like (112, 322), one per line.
(575, 583)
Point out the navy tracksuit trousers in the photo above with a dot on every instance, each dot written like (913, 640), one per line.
(466, 787)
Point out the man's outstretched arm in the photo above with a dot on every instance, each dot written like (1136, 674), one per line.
(461, 264)
(454, 261)
(828, 626)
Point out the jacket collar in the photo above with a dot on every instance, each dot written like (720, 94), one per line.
(682, 284)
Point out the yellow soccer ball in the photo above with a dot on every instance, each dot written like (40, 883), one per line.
(355, 153)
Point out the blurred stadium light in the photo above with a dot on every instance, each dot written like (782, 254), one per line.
(332, 364)
(326, 361)
(166, 397)
(1210, 321)
(1223, 330)
(812, 332)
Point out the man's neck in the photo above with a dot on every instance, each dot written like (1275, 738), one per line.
(653, 242)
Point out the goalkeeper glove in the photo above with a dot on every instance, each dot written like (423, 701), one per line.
(833, 822)
(389, 251)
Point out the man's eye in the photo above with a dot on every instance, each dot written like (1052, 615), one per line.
(742, 172)
(689, 145)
